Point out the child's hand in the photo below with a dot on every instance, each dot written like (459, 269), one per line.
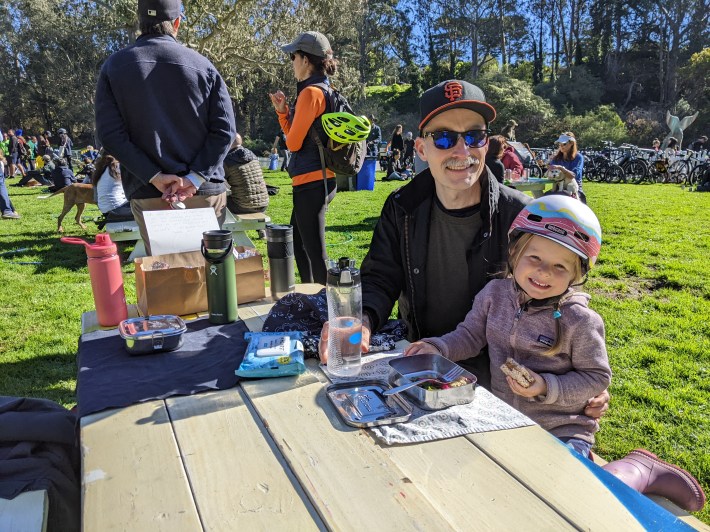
(420, 348)
(539, 387)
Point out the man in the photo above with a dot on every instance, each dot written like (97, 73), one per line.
(65, 147)
(163, 110)
(374, 138)
(444, 235)
(14, 149)
(246, 179)
(700, 144)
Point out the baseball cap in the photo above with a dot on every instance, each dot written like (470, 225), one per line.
(564, 139)
(62, 131)
(453, 94)
(311, 42)
(158, 10)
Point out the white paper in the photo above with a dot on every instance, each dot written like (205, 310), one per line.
(175, 231)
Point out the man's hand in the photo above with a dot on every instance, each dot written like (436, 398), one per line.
(278, 99)
(176, 193)
(323, 344)
(597, 406)
(164, 181)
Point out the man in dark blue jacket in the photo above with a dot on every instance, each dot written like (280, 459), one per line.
(163, 110)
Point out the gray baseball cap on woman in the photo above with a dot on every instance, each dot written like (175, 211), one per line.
(311, 42)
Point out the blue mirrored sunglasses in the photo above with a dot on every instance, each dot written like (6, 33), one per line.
(445, 140)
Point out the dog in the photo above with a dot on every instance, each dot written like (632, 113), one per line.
(78, 194)
(565, 184)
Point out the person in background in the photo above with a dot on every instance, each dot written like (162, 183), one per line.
(510, 158)
(313, 62)
(14, 149)
(32, 147)
(6, 207)
(494, 155)
(284, 151)
(671, 148)
(65, 147)
(569, 161)
(273, 159)
(374, 138)
(396, 169)
(560, 341)
(164, 111)
(656, 145)
(108, 189)
(408, 155)
(397, 140)
(248, 192)
(700, 144)
(62, 175)
(5, 146)
(509, 130)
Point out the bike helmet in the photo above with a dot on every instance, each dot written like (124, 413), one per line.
(345, 127)
(564, 220)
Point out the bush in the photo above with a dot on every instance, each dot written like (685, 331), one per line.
(582, 91)
(260, 147)
(594, 127)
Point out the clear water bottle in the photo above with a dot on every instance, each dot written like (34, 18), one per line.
(344, 294)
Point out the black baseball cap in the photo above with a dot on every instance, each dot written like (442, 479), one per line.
(154, 11)
(454, 94)
(311, 42)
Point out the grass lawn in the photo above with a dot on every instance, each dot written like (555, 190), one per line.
(650, 285)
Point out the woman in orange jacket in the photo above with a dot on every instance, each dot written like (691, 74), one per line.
(313, 62)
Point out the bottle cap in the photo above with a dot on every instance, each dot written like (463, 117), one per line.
(344, 273)
(103, 246)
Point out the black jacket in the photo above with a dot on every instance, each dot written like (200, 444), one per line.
(395, 265)
(162, 107)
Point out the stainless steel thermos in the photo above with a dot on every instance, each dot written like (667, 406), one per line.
(279, 248)
(217, 249)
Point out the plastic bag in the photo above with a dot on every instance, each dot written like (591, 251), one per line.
(272, 354)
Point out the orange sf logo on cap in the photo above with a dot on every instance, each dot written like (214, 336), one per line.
(453, 91)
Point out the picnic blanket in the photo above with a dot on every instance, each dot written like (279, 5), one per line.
(109, 377)
(486, 412)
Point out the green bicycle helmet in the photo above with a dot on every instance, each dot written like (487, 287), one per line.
(345, 128)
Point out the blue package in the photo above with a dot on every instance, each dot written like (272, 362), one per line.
(272, 354)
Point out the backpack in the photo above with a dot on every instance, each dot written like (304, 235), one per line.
(346, 159)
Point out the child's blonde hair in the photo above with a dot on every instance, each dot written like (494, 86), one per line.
(515, 252)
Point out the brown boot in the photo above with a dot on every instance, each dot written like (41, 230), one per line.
(650, 475)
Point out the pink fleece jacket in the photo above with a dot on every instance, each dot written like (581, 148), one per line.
(577, 373)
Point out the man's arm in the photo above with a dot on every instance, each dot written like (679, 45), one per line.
(112, 133)
(221, 131)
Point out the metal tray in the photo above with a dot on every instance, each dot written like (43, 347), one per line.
(416, 367)
(361, 403)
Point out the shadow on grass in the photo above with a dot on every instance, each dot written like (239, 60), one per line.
(45, 251)
(367, 224)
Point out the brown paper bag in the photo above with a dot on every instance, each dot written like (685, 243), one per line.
(250, 277)
(181, 289)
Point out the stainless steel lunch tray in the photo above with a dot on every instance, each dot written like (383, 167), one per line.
(152, 334)
(361, 403)
(417, 367)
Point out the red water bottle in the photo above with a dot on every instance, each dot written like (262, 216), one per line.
(106, 278)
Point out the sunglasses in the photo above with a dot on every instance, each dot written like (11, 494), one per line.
(445, 140)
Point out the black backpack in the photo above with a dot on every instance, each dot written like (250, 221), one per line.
(346, 159)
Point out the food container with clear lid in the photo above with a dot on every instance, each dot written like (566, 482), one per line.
(152, 334)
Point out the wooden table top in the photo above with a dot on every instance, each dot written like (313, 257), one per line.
(273, 453)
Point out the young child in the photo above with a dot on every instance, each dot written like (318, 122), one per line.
(274, 159)
(537, 317)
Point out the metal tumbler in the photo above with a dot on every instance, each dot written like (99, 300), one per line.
(279, 248)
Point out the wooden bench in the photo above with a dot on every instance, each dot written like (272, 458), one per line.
(25, 513)
(238, 224)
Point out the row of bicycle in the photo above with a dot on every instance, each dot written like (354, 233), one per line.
(631, 164)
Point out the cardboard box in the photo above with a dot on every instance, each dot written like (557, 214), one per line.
(182, 289)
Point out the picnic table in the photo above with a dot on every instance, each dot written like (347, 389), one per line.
(239, 224)
(273, 453)
(536, 186)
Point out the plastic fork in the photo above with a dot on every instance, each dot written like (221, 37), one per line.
(449, 377)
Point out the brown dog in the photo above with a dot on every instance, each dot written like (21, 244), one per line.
(78, 194)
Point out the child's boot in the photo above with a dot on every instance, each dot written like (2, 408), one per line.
(650, 475)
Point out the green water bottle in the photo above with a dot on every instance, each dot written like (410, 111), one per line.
(217, 249)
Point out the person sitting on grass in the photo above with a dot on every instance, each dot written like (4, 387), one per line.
(536, 316)
(62, 176)
(396, 169)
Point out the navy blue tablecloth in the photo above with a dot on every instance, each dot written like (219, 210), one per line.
(109, 377)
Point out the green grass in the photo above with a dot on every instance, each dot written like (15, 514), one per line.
(650, 285)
